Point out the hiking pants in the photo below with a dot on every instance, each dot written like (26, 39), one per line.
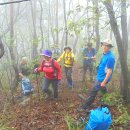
(68, 73)
(93, 93)
(87, 66)
(46, 85)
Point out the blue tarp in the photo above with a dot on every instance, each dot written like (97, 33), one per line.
(100, 119)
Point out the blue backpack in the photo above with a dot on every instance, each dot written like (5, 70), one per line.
(27, 86)
(100, 119)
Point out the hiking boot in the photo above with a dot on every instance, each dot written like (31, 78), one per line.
(55, 99)
(81, 97)
(83, 109)
(46, 96)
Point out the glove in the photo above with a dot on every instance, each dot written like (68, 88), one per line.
(35, 70)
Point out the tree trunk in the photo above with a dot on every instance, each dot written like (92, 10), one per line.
(12, 51)
(129, 24)
(97, 26)
(57, 24)
(123, 61)
(124, 36)
(124, 26)
(88, 22)
(35, 39)
(75, 43)
(48, 33)
(1, 48)
(65, 20)
(41, 25)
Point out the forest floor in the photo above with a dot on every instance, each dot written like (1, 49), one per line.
(41, 114)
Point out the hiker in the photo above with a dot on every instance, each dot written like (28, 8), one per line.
(89, 56)
(69, 59)
(55, 51)
(24, 72)
(52, 71)
(104, 74)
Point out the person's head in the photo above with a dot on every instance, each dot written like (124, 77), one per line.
(106, 45)
(24, 60)
(47, 54)
(67, 49)
(89, 45)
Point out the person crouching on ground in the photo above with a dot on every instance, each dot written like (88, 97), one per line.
(104, 74)
(52, 71)
(24, 72)
(69, 59)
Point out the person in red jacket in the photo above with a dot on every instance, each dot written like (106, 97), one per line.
(52, 71)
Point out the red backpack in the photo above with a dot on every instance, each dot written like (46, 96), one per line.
(53, 66)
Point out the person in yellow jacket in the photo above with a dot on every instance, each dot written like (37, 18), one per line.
(69, 59)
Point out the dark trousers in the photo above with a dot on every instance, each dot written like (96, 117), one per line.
(87, 66)
(54, 83)
(93, 93)
(68, 73)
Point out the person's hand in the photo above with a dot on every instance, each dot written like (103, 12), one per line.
(103, 84)
(35, 71)
(86, 57)
(21, 75)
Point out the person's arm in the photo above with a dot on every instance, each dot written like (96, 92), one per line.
(109, 72)
(110, 66)
(74, 58)
(57, 66)
(60, 58)
(94, 57)
(40, 68)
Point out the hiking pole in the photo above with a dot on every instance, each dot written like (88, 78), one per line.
(72, 79)
(36, 75)
(38, 90)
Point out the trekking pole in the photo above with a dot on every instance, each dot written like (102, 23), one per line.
(38, 90)
(72, 79)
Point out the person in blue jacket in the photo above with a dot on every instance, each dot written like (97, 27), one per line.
(89, 56)
(104, 73)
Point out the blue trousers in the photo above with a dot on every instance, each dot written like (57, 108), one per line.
(46, 85)
(68, 73)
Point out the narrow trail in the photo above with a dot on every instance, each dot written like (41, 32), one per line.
(49, 115)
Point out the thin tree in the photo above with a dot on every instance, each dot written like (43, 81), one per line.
(65, 21)
(97, 25)
(35, 39)
(123, 61)
(12, 50)
(1, 48)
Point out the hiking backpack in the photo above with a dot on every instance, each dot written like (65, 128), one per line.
(27, 86)
(100, 119)
(52, 64)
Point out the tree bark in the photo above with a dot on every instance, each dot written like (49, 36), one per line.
(124, 27)
(41, 25)
(75, 43)
(123, 61)
(65, 20)
(1, 48)
(12, 51)
(97, 26)
(57, 24)
(129, 25)
(35, 39)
